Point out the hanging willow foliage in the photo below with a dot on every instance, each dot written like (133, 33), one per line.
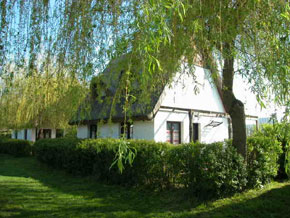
(81, 37)
(40, 100)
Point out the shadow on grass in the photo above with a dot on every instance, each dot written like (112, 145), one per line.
(62, 195)
(31, 189)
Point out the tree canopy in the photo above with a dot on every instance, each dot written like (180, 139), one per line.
(81, 37)
(41, 100)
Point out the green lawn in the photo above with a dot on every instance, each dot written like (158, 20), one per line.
(30, 189)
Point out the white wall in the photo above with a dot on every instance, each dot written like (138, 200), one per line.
(183, 92)
(196, 93)
(13, 134)
(208, 134)
(143, 130)
(109, 130)
(20, 134)
(53, 133)
(31, 134)
(83, 132)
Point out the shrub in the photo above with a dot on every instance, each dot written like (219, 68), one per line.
(209, 169)
(95, 157)
(5, 134)
(151, 164)
(280, 132)
(263, 154)
(15, 147)
(58, 153)
(180, 160)
(216, 170)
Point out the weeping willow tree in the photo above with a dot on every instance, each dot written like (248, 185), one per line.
(247, 37)
(40, 100)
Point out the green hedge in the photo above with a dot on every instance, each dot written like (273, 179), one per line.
(206, 170)
(59, 153)
(211, 169)
(95, 157)
(281, 133)
(216, 170)
(15, 147)
(263, 156)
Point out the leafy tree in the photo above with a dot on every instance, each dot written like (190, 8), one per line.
(40, 100)
(249, 37)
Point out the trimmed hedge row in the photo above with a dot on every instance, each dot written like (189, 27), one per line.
(95, 157)
(15, 147)
(212, 169)
(206, 170)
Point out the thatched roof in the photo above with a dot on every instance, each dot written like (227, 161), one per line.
(106, 102)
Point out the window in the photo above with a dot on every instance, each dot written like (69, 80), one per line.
(15, 134)
(46, 133)
(43, 134)
(25, 134)
(127, 130)
(173, 132)
(93, 131)
(196, 132)
(59, 133)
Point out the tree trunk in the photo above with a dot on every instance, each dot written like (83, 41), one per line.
(237, 114)
(232, 105)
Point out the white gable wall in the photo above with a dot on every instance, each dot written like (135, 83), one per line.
(182, 94)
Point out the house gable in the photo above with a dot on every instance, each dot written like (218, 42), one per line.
(193, 92)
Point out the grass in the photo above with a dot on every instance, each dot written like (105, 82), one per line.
(30, 189)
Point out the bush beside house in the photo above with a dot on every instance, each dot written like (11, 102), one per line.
(15, 147)
(279, 132)
(263, 156)
(216, 170)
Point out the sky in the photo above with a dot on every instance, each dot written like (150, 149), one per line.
(252, 107)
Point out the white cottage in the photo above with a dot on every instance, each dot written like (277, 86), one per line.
(179, 113)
